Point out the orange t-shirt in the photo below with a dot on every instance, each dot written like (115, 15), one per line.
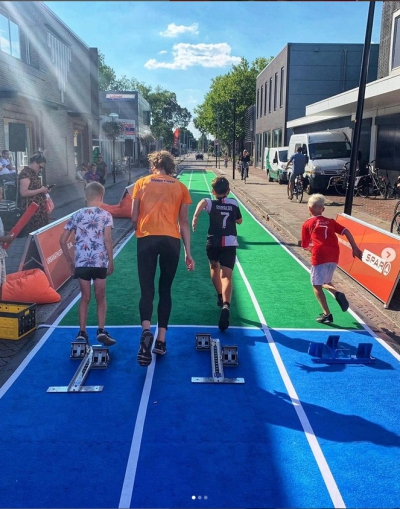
(161, 197)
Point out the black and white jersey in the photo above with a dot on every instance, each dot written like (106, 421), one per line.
(223, 215)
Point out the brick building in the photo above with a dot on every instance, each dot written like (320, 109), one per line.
(48, 90)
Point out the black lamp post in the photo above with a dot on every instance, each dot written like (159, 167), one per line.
(113, 117)
(234, 137)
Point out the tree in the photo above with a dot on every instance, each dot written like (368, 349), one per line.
(216, 112)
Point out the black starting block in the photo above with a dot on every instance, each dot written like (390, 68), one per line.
(332, 353)
(220, 357)
(93, 357)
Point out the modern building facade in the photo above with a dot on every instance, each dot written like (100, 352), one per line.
(133, 111)
(48, 90)
(381, 115)
(298, 76)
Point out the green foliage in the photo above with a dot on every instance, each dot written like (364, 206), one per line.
(215, 114)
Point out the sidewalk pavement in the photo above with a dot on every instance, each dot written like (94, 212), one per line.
(269, 203)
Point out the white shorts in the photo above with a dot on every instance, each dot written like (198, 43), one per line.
(2, 271)
(322, 274)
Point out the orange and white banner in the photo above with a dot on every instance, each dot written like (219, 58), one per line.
(379, 269)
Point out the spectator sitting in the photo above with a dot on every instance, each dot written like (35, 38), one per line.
(5, 163)
(91, 175)
(80, 173)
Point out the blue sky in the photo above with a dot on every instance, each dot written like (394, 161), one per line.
(181, 46)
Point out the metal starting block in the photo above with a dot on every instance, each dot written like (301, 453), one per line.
(220, 357)
(93, 357)
(332, 353)
(203, 341)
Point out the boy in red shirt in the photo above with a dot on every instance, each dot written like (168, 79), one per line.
(321, 232)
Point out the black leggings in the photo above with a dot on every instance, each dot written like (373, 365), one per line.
(149, 249)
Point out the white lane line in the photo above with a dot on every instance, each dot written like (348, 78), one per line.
(323, 466)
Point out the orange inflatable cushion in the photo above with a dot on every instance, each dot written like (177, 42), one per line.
(122, 209)
(30, 286)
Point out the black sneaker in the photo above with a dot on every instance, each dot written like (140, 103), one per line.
(82, 336)
(220, 302)
(322, 318)
(104, 337)
(160, 347)
(144, 357)
(223, 323)
(342, 301)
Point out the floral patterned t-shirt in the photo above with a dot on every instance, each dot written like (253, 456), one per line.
(89, 224)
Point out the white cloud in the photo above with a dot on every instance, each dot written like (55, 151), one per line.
(175, 30)
(203, 55)
(163, 52)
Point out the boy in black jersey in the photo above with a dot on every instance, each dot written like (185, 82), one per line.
(221, 242)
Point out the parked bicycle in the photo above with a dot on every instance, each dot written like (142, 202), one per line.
(393, 190)
(373, 184)
(340, 183)
(395, 225)
(298, 189)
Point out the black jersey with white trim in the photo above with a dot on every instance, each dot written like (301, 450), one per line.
(223, 214)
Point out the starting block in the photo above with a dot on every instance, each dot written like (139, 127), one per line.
(331, 353)
(220, 357)
(93, 357)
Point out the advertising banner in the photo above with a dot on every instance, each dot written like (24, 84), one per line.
(176, 138)
(43, 250)
(379, 269)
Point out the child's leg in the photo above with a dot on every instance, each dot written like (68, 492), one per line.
(329, 287)
(84, 303)
(215, 272)
(226, 284)
(319, 294)
(100, 294)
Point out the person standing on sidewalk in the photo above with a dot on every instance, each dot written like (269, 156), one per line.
(93, 257)
(221, 242)
(321, 232)
(299, 161)
(160, 219)
(101, 169)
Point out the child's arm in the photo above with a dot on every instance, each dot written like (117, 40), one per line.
(200, 207)
(64, 246)
(135, 212)
(7, 238)
(109, 247)
(357, 253)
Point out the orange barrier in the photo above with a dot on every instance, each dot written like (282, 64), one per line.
(122, 209)
(379, 269)
(29, 286)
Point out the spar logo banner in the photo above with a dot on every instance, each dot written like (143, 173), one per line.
(379, 269)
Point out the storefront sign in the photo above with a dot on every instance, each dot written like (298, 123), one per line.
(120, 97)
(379, 269)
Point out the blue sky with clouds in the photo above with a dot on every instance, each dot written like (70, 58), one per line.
(181, 46)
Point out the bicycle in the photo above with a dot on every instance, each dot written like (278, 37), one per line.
(373, 184)
(298, 189)
(395, 225)
(393, 190)
(244, 171)
(340, 183)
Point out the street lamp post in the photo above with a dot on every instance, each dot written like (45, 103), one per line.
(114, 117)
(234, 137)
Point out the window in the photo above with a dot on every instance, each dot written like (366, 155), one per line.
(261, 100)
(281, 89)
(265, 98)
(277, 138)
(269, 96)
(258, 101)
(396, 43)
(9, 37)
(330, 150)
(275, 90)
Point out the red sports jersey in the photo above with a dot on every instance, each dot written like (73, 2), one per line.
(321, 231)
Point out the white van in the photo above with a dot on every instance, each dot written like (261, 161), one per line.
(275, 160)
(327, 152)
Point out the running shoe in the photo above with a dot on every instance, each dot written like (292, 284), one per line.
(322, 318)
(104, 337)
(223, 323)
(160, 347)
(342, 301)
(144, 357)
(82, 336)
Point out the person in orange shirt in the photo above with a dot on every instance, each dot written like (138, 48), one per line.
(160, 205)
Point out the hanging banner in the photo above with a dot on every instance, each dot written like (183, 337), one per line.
(379, 269)
(176, 137)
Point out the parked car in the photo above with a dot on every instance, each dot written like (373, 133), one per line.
(199, 155)
(275, 160)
